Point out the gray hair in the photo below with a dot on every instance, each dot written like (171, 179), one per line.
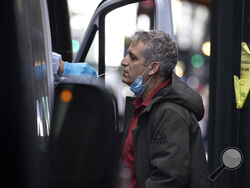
(160, 47)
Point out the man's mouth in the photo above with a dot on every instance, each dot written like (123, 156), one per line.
(125, 72)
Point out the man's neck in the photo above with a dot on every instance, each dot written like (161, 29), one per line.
(154, 83)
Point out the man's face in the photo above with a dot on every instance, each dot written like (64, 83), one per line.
(133, 63)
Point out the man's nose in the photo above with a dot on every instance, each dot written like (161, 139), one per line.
(124, 61)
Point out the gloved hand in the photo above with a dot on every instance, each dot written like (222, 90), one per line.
(80, 72)
(73, 72)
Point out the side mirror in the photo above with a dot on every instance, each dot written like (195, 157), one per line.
(83, 146)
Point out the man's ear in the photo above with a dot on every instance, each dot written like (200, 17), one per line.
(155, 68)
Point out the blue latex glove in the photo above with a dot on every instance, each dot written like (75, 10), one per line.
(80, 73)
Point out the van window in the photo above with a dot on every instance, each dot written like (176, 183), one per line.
(81, 12)
(120, 25)
(92, 56)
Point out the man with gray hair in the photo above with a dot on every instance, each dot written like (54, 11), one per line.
(162, 143)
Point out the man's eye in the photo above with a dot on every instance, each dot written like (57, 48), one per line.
(133, 58)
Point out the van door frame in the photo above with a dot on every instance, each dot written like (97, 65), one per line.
(163, 8)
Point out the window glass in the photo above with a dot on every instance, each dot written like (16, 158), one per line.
(120, 24)
(81, 12)
(92, 55)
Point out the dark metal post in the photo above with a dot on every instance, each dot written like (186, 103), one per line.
(60, 28)
(225, 62)
(244, 123)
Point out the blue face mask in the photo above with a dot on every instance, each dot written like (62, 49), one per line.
(137, 87)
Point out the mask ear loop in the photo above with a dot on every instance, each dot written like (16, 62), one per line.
(144, 73)
(145, 70)
(149, 80)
